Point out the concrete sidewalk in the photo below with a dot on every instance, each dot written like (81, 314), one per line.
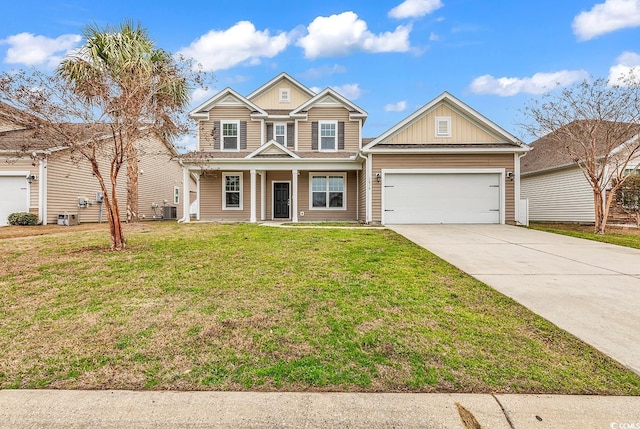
(587, 288)
(115, 409)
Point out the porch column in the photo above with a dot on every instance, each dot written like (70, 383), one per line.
(186, 181)
(197, 194)
(263, 195)
(294, 195)
(252, 218)
(42, 190)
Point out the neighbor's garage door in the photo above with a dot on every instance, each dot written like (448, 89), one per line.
(13, 196)
(441, 198)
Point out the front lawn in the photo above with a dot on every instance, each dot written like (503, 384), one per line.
(245, 307)
(629, 237)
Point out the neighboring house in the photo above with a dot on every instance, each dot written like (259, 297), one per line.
(44, 178)
(555, 186)
(284, 152)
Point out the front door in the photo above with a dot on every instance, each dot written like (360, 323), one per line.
(280, 200)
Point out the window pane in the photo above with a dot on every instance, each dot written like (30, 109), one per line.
(319, 199)
(327, 130)
(233, 199)
(230, 143)
(319, 183)
(335, 199)
(279, 130)
(328, 143)
(232, 183)
(336, 183)
(229, 129)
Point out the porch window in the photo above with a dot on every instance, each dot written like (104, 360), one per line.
(230, 135)
(232, 191)
(328, 191)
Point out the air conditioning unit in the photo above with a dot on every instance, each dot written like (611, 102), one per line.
(67, 219)
(169, 212)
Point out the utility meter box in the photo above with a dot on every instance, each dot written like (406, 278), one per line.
(67, 219)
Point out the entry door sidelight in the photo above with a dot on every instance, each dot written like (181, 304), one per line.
(281, 200)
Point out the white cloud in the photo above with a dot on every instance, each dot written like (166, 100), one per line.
(626, 63)
(319, 72)
(201, 94)
(315, 89)
(341, 34)
(414, 8)
(539, 83)
(350, 91)
(606, 17)
(400, 106)
(32, 50)
(433, 37)
(219, 50)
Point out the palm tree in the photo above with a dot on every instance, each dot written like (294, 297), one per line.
(140, 88)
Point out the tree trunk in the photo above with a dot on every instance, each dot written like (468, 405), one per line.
(133, 214)
(111, 207)
(598, 211)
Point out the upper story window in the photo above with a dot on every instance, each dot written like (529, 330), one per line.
(443, 126)
(285, 95)
(328, 135)
(230, 135)
(280, 133)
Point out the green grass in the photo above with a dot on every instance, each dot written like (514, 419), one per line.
(614, 235)
(244, 307)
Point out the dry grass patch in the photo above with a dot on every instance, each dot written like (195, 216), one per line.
(621, 236)
(205, 306)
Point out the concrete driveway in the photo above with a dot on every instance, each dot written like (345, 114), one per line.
(590, 289)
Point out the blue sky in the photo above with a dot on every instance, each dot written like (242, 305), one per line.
(389, 57)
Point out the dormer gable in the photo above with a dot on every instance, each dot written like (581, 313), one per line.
(225, 98)
(281, 93)
(330, 98)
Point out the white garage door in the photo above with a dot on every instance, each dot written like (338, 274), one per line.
(441, 198)
(13, 196)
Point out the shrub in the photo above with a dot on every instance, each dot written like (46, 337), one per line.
(23, 218)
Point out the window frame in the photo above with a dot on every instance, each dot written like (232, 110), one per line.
(275, 135)
(328, 191)
(176, 195)
(438, 120)
(335, 136)
(284, 95)
(224, 190)
(222, 136)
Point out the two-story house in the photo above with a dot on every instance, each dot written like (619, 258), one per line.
(284, 152)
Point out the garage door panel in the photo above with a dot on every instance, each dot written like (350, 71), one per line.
(442, 198)
(13, 196)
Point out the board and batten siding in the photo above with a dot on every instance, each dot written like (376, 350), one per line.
(340, 114)
(24, 164)
(559, 196)
(422, 130)
(454, 161)
(232, 113)
(318, 215)
(270, 99)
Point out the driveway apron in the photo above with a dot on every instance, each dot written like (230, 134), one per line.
(587, 288)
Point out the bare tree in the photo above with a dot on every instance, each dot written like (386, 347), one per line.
(594, 124)
(62, 119)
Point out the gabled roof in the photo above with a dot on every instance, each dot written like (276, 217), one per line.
(546, 155)
(267, 86)
(272, 148)
(227, 97)
(329, 97)
(16, 116)
(456, 105)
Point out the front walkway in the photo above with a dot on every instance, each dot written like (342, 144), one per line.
(587, 288)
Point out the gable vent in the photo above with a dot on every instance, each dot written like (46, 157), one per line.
(443, 126)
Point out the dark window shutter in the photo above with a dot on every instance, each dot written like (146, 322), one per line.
(216, 133)
(314, 136)
(269, 132)
(341, 135)
(290, 137)
(243, 134)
